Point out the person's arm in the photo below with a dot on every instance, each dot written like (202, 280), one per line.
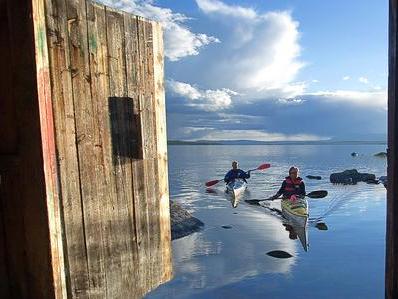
(246, 175)
(302, 189)
(280, 191)
(227, 177)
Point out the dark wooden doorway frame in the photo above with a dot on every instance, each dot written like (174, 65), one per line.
(391, 279)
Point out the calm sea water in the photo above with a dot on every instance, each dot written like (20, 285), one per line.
(344, 261)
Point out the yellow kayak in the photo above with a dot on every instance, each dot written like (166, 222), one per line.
(295, 211)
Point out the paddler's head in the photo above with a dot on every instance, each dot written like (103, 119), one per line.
(293, 172)
(235, 164)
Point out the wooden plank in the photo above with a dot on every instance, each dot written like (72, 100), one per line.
(8, 133)
(144, 207)
(4, 264)
(391, 282)
(43, 251)
(146, 89)
(151, 185)
(161, 159)
(8, 162)
(152, 169)
(139, 207)
(8, 124)
(64, 117)
(89, 150)
(124, 283)
(141, 223)
(133, 78)
(98, 49)
(13, 234)
(12, 203)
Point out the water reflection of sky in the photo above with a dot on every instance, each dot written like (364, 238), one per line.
(345, 261)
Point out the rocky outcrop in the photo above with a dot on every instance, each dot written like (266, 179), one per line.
(182, 222)
(351, 177)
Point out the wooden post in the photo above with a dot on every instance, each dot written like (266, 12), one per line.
(391, 280)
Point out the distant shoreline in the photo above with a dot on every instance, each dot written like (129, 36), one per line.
(249, 142)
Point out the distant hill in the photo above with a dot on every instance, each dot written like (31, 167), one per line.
(349, 139)
(199, 142)
(255, 142)
(362, 137)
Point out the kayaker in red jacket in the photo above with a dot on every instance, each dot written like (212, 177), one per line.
(236, 173)
(292, 185)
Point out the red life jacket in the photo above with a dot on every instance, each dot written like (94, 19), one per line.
(292, 185)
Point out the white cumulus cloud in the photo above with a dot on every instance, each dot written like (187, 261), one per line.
(208, 100)
(214, 6)
(260, 56)
(180, 41)
(363, 80)
(345, 78)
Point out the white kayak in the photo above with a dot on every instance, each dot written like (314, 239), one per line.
(236, 188)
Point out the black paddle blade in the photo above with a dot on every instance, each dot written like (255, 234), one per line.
(253, 201)
(317, 194)
(280, 254)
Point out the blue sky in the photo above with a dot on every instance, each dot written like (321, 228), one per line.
(272, 70)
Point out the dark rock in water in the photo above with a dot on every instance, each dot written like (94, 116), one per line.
(351, 177)
(383, 179)
(280, 254)
(314, 177)
(182, 222)
(235, 213)
(321, 226)
(370, 181)
(226, 226)
(381, 155)
(354, 154)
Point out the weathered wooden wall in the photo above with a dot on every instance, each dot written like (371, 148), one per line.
(392, 171)
(106, 70)
(91, 119)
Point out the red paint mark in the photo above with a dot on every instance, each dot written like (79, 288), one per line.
(47, 123)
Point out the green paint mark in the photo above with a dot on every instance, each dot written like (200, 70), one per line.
(41, 35)
(92, 42)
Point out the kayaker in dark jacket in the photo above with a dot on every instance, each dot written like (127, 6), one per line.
(292, 185)
(236, 173)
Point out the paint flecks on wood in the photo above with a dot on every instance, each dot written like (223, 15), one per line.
(99, 79)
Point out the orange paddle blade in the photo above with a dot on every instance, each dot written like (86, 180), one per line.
(211, 183)
(264, 166)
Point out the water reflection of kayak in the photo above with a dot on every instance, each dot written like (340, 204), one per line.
(296, 212)
(298, 231)
(236, 189)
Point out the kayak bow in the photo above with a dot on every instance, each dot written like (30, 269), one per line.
(236, 188)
